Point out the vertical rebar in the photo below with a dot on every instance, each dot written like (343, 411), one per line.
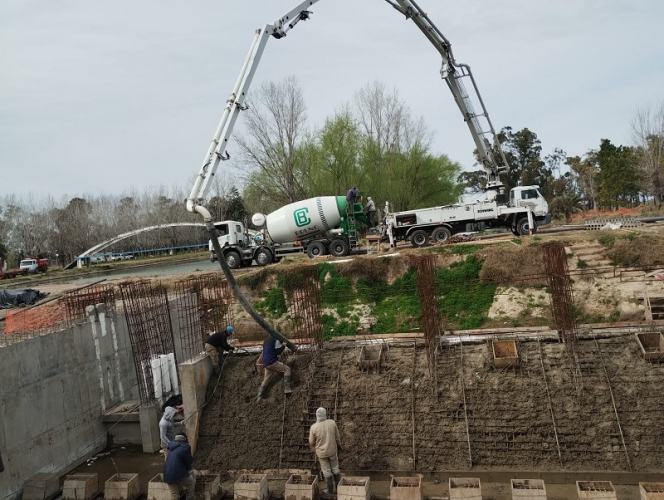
(149, 327)
(562, 300)
(303, 289)
(429, 305)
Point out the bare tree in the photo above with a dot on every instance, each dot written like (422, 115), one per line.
(648, 135)
(386, 119)
(275, 124)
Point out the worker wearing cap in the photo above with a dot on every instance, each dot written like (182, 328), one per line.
(216, 341)
(178, 472)
(272, 348)
(324, 439)
(370, 210)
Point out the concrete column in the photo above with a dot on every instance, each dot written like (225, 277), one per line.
(149, 416)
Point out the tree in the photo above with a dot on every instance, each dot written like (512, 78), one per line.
(235, 209)
(584, 173)
(648, 135)
(566, 205)
(275, 125)
(618, 176)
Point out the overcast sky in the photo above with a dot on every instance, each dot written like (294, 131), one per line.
(99, 97)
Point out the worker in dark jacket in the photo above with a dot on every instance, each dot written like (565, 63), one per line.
(351, 195)
(271, 350)
(217, 341)
(178, 473)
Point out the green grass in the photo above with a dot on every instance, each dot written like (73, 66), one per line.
(581, 264)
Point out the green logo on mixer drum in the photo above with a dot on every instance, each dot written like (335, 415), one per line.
(301, 217)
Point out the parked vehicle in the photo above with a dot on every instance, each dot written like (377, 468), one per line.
(33, 265)
(97, 259)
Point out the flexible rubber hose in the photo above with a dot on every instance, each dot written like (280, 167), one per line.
(238, 293)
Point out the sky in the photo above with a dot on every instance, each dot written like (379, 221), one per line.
(103, 97)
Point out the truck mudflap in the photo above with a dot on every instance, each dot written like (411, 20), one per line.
(543, 221)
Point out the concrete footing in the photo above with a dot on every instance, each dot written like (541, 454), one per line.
(80, 487)
(149, 418)
(301, 487)
(595, 490)
(41, 486)
(406, 488)
(122, 487)
(354, 488)
(528, 489)
(251, 487)
(466, 488)
(651, 491)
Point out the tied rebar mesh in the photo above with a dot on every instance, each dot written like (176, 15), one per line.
(562, 300)
(150, 330)
(203, 307)
(429, 304)
(76, 301)
(303, 287)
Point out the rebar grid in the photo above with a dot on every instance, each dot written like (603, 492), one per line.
(306, 305)
(76, 301)
(429, 305)
(203, 307)
(562, 300)
(149, 327)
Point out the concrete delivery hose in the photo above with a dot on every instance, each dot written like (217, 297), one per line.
(238, 293)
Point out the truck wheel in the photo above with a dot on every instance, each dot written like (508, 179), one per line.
(419, 238)
(316, 249)
(441, 234)
(213, 257)
(233, 259)
(339, 248)
(263, 257)
(522, 227)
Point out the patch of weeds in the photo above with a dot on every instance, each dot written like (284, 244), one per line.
(400, 310)
(334, 288)
(614, 316)
(581, 264)
(537, 238)
(516, 241)
(339, 328)
(607, 239)
(465, 249)
(254, 281)
(515, 322)
(465, 299)
(630, 237)
(273, 303)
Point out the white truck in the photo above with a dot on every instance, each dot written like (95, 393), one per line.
(316, 226)
(525, 209)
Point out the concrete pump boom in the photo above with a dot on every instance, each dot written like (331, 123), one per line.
(453, 72)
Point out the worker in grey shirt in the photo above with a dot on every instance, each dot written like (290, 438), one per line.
(167, 428)
(324, 438)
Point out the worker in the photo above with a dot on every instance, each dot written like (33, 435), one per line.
(370, 211)
(324, 439)
(272, 348)
(217, 341)
(178, 473)
(351, 195)
(167, 428)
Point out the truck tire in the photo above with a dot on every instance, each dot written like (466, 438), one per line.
(213, 257)
(419, 238)
(339, 248)
(233, 259)
(441, 234)
(263, 257)
(522, 227)
(316, 249)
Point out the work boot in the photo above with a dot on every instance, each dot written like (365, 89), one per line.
(337, 478)
(330, 486)
(261, 390)
(287, 388)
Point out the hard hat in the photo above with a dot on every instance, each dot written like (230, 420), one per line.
(230, 330)
(368, 198)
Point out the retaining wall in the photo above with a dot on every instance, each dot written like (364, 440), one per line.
(53, 391)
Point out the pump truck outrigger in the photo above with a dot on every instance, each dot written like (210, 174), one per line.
(453, 73)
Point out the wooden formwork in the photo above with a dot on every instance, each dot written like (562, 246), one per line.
(406, 488)
(370, 358)
(466, 488)
(652, 345)
(41, 486)
(354, 488)
(251, 487)
(301, 487)
(504, 353)
(595, 490)
(122, 487)
(528, 489)
(80, 486)
(158, 489)
(651, 491)
(208, 487)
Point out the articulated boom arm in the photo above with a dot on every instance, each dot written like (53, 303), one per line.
(453, 73)
(217, 150)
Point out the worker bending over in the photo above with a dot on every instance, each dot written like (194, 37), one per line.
(178, 473)
(271, 365)
(324, 438)
(218, 341)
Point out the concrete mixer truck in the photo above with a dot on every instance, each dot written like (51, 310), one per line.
(317, 227)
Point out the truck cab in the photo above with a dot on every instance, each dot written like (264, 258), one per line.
(229, 232)
(523, 196)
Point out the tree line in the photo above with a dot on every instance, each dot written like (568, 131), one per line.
(372, 142)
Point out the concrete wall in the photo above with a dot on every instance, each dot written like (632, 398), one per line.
(53, 391)
(194, 377)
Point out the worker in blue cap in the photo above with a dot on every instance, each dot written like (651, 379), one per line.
(217, 341)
